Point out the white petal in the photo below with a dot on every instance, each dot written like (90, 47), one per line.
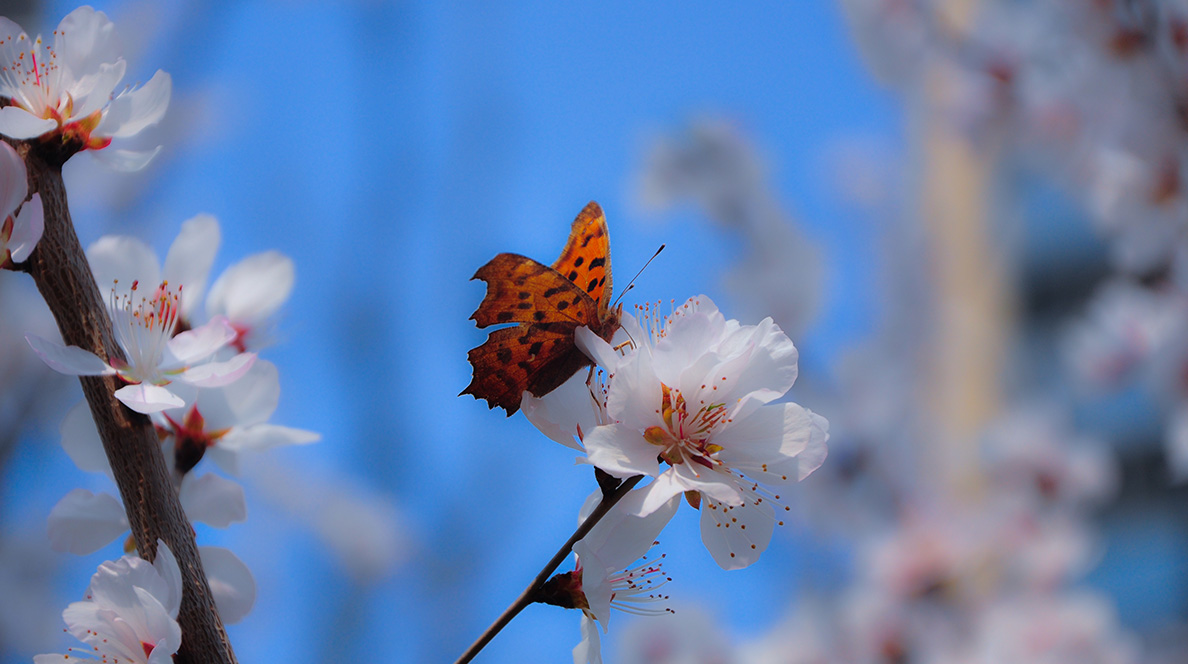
(199, 343)
(248, 401)
(14, 185)
(786, 438)
(231, 583)
(132, 111)
(83, 522)
(256, 438)
(123, 259)
(657, 493)
(93, 91)
(86, 39)
(16, 122)
(170, 573)
(190, 257)
(146, 398)
(621, 451)
(253, 289)
(595, 580)
(81, 440)
(27, 229)
(588, 651)
(70, 360)
(125, 161)
(560, 413)
(622, 537)
(735, 536)
(212, 500)
(596, 348)
(635, 393)
(216, 374)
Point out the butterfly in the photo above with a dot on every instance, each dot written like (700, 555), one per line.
(547, 304)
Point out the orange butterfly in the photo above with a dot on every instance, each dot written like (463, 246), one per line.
(548, 304)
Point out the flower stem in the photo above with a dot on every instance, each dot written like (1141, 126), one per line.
(527, 597)
(60, 269)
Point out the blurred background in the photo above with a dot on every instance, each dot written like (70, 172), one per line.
(968, 215)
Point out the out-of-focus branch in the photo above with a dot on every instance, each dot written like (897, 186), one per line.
(60, 269)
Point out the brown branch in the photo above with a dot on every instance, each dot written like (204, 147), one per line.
(529, 595)
(60, 269)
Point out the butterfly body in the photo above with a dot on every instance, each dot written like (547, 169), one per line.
(546, 305)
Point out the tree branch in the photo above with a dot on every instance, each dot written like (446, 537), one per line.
(60, 269)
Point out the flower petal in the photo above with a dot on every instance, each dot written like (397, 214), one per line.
(125, 161)
(14, 184)
(199, 343)
(190, 257)
(256, 438)
(131, 112)
(250, 291)
(589, 650)
(147, 398)
(216, 374)
(248, 401)
(83, 522)
(81, 440)
(27, 229)
(735, 536)
(170, 573)
(123, 259)
(621, 451)
(231, 583)
(70, 360)
(85, 40)
(777, 443)
(565, 411)
(212, 500)
(16, 122)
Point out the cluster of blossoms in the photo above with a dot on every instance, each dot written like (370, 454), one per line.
(687, 401)
(129, 613)
(187, 355)
(219, 404)
(65, 93)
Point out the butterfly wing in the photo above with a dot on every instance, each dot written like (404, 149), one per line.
(521, 290)
(533, 358)
(585, 260)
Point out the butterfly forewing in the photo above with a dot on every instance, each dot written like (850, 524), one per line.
(585, 260)
(521, 290)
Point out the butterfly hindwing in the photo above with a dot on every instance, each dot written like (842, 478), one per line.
(537, 358)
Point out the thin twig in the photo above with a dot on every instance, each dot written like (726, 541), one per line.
(526, 597)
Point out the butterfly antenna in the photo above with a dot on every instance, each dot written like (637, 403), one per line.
(631, 284)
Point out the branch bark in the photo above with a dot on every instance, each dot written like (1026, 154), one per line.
(60, 269)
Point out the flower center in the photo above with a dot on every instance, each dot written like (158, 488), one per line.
(190, 438)
(143, 327)
(686, 433)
